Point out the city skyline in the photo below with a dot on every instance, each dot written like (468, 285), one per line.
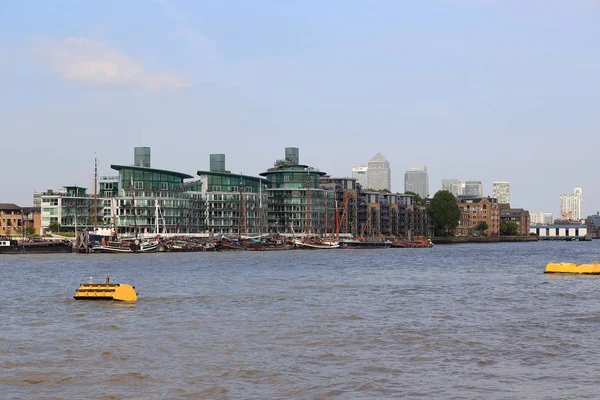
(191, 79)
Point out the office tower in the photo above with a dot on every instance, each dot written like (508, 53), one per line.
(502, 192)
(360, 174)
(379, 174)
(417, 181)
(473, 188)
(570, 205)
(454, 186)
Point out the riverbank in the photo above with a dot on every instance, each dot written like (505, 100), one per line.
(481, 239)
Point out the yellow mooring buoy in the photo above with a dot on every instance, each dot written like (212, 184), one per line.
(105, 291)
(572, 268)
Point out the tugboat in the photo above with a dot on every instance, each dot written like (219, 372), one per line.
(105, 291)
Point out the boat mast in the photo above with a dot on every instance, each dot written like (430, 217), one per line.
(325, 227)
(135, 230)
(240, 209)
(95, 195)
(308, 204)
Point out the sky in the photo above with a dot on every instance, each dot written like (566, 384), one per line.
(490, 90)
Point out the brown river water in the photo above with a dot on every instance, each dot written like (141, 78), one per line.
(452, 322)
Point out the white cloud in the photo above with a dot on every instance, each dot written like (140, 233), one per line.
(92, 62)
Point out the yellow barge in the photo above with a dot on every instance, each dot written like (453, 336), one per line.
(572, 268)
(105, 291)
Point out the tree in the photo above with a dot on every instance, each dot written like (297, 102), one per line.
(444, 213)
(418, 199)
(54, 227)
(509, 228)
(481, 227)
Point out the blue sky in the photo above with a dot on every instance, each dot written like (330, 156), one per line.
(474, 89)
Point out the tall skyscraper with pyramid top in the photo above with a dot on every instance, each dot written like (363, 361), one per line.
(379, 173)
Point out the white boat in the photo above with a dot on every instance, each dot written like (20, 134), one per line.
(125, 247)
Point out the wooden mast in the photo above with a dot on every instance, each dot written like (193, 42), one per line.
(95, 195)
(240, 209)
(308, 205)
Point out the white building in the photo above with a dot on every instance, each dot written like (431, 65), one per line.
(379, 174)
(570, 205)
(541, 218)
(567, 232)
(416, 180)
(501, 191)
(454, 186)
(360, 173)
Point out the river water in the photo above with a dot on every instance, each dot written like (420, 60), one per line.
(452, 322)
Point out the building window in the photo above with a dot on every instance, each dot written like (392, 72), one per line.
(286, 178)
(138, 185)
(164, 186)
(235, 188)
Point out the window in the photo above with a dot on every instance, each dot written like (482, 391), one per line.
(216, 188)
(138, 185)
(235, 188)
(164, 186)
(286, 178)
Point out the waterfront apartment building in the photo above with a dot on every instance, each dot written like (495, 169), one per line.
(501, 191)
(379, 174)
(70, 207)
(235, 204)
(473, 188)
(541, 218)
(453, 186)
(518, 215)
(475, 210)
(296, 204)
(416, 180)
(570, 205)
(360, 173)
(11, 219)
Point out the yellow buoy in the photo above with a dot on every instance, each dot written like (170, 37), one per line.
(105, 291)
(572, 268)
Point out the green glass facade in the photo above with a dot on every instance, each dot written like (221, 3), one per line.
(235, 204)
(157, 201)
(296, 204)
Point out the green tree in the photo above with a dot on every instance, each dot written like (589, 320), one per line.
(444, 213)
(418, 199)
(481, 227)
(510, 228)
(54, 227)
(503, 228)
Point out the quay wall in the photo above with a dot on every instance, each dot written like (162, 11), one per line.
(481, 239)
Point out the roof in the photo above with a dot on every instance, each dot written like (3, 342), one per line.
(378, 157)
(230, 175)
(9, 206)
(145, 169)
(292, 168)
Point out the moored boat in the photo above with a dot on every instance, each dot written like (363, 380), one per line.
(34, 246)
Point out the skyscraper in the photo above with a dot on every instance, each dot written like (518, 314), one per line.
(502, 192)
(473, 188)
(360, 174)
(379, 174)
(570, 205)
(416, 180)
(454, 186)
